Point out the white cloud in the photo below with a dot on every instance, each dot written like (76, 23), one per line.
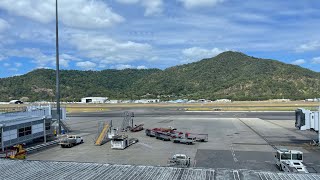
(13, 69)
(122, 66)
(6, 64)
(127, 66)
(316, 60)
(18, 64)
(310, 46)
(196, 53)
(74, 13)
(107, 50)
(2, 57)
(298, 62)
(190, 4)
(87, 65)
(152, 7)
(39, 58)
(142, 67)
(3, 25)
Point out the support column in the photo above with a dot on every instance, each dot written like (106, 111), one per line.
(2, 145)
(318, 125)
(44, 131)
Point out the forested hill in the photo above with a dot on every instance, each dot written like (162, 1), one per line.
(231, 75)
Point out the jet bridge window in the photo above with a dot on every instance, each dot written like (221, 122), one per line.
(296, 156)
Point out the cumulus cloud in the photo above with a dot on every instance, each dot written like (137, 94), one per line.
(13, 69)
(18, 64)
(316, 60)
(3, 25)
(2, 57)
(310, 46)
(142, 67)
(122, 66)
(298, 62)
(6, 64)
(190, 4)
(152, 7)
(107, 50)
(74, 13)
(197, 53)
(87, 65)
(127, 66)
(39, 58)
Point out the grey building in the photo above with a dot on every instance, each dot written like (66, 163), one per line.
(24, 127)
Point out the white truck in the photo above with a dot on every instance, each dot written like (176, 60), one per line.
(179, 160)
(70, 141)
(290, 161)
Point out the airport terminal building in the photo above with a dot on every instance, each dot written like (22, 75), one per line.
(24, 127)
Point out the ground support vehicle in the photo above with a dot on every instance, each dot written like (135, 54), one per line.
(70, 141)
(290, 161)
(163, 136)
(17, 152)
(197, 137)
(179, 160)
(122, 142)
(184, 141)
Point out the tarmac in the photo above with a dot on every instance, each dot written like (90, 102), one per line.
(237, 140)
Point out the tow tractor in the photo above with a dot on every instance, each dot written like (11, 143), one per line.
(290, 161)
(17, 152)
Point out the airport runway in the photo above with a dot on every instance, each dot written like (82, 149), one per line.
(157, 112)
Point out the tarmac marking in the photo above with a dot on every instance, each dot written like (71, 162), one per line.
(233, 154)
(236, 175)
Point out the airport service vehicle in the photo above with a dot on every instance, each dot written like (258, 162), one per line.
(122, 142)
(179, 160)
(17, 152)
(197, 137)
(70, 141)
(290, 161)
(150, 132)
(184, 141)
(137, 128)
(163, 136)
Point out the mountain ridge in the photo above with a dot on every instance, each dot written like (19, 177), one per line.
(232, 75)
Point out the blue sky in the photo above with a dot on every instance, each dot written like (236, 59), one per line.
(118, 34)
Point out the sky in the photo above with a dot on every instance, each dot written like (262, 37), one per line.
(119, 34)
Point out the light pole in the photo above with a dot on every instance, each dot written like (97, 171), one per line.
(57, 72)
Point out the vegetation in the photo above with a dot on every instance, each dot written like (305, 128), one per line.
(230, 75)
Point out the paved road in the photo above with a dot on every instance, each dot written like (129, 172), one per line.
(150, 112)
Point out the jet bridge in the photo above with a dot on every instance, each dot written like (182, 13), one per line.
(308, 120)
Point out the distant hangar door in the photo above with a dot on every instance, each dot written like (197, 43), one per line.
(88, 100)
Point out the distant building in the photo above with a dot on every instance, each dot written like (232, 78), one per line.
(94, 100)
(223, 100)
(145, 101)
(280, 100)
(15, 102)
(192, 101)
(181, 101)
(113, 101)
(313, 100)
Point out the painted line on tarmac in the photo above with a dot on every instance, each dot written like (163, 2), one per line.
(233, 154)
(240, 111)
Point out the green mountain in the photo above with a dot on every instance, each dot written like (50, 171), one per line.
(229, 75)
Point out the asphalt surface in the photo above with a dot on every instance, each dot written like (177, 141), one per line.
(237, 140)
(158, 112)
